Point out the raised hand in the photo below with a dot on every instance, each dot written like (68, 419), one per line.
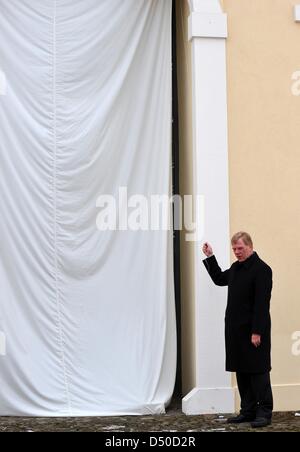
(207, 250)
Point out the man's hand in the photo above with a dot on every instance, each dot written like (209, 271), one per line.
(207, 250)
(256, 340)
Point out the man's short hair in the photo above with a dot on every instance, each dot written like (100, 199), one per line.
(244, 236)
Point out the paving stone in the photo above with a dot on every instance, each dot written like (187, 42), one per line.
(173, 421)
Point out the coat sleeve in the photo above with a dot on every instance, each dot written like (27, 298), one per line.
(219, 278)
(262, 297)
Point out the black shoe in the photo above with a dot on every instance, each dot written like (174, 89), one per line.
(240, 419)
(261, 422)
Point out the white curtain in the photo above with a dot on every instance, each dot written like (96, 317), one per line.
(87, 323)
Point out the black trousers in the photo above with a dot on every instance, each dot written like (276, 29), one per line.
(256, 394)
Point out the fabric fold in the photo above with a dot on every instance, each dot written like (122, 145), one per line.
(87, 315)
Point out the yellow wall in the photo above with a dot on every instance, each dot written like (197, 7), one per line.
(186, 188)
(263, 50)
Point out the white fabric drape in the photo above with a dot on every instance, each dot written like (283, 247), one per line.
(87, 316)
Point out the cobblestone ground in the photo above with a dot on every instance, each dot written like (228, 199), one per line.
(173, 421)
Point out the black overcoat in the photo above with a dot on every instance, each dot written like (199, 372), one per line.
(248, 312)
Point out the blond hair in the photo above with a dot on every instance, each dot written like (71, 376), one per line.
(244, 236)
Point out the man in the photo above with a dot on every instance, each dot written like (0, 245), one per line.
(247, 327)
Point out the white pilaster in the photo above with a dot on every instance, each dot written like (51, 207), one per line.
(208, 30)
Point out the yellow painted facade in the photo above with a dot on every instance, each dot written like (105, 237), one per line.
(263, 48)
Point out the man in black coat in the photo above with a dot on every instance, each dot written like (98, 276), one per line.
(247, 327)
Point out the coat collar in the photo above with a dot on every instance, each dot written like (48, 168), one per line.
(250, 261)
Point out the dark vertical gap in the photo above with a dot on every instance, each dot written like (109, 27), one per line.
(175, 167)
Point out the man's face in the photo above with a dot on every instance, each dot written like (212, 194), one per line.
(241, 251)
